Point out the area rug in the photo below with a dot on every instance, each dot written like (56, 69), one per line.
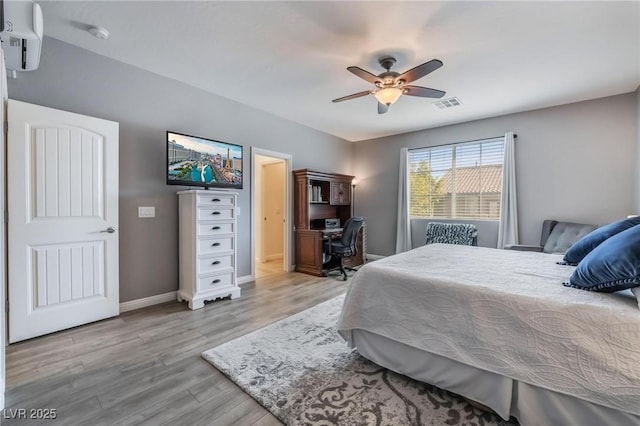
(303, 372)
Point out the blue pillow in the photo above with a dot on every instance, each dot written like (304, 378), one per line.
(612, 266)
(583, 246)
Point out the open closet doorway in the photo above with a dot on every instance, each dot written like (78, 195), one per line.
(271, 207)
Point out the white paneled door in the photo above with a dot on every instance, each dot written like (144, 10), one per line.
(63, 220)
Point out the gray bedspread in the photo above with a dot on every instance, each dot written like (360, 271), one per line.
(506, 312)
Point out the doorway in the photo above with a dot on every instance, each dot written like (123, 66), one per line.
(271, 208)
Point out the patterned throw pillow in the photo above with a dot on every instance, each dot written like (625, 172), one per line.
(451, 233)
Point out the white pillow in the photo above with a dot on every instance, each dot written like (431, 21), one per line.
(636, 292)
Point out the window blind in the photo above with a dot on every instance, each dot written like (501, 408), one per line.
(461, 180)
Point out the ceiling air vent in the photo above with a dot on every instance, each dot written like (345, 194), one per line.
(448, 103)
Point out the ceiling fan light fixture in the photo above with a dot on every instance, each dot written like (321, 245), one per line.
(388, 95)
(390, 85)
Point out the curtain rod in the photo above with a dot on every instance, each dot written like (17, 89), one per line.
(515, 136)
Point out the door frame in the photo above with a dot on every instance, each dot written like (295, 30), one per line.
(288, 160)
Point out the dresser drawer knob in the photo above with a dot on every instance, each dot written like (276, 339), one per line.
(215, 200)
(215, 244)
(215, 262)
(215, 212)
(215, 228)
(215, 281)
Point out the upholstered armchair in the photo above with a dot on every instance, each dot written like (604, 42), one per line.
(557, 237)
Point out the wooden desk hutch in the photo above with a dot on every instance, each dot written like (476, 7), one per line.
(317, 196)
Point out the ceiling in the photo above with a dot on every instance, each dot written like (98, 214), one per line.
(290, 58)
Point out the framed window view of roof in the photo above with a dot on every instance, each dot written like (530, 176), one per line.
(457, 181)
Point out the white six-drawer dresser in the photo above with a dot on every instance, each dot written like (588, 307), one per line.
(207, 246)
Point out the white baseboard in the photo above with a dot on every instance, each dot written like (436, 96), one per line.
(147, 301)
(162, 298)
(374, 256)
(245, 279)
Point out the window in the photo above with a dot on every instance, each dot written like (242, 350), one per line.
(457, 181)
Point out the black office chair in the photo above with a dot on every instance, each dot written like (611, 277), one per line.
(346, 246)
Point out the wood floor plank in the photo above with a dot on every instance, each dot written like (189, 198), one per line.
(145, 396)
(267, 420)
(175, 378)
(244, 413)
(144, 367)
(179, 353)
(43, 371)
(215, 409)
(211, 387)
(166, 411)
(56, 391)
(42, 344)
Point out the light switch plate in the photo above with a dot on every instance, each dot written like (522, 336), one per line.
(146, 212)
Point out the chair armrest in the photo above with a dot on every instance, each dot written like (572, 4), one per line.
(519, 247)
(330, 237)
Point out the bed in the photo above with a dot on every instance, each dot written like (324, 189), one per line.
(498, 327)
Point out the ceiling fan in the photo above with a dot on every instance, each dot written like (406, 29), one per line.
(390, 85)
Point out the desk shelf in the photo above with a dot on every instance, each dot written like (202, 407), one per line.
(335, 191)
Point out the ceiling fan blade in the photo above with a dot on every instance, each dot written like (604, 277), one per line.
(355, 95)
(420, 71)
(423, 92)
(382, 108)
(365, 75)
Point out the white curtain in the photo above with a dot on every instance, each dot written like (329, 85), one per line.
(508, 229)
(403, 234)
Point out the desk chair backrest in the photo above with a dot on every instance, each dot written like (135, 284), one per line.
(350, 232)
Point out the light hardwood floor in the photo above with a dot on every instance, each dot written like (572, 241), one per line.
(144, 366)
(269, 267)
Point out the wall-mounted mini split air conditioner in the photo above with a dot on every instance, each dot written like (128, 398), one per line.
(22, 35)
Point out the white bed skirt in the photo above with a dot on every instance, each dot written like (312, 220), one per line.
(531, 405)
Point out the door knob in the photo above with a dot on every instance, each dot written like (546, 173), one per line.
(109, 230)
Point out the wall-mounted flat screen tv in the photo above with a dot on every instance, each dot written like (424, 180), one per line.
(195, 161)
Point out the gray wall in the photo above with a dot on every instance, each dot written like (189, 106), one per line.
(574, 162)
(146, 105)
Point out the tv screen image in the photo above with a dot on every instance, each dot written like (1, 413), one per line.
(195, 161)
